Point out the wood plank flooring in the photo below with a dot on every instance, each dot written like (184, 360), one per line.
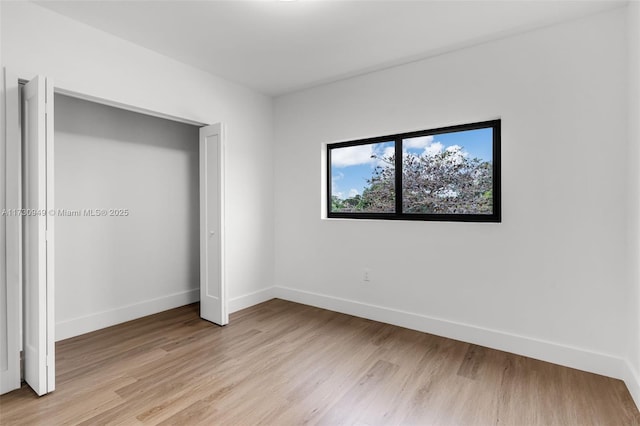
(282, 363)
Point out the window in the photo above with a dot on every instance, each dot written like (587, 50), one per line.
(446, 174)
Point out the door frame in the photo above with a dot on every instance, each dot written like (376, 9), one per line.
(13, 188)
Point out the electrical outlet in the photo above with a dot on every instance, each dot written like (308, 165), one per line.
(366, 275)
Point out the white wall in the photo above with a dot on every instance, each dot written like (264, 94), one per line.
(550, 281)
(108, 158)
(633, 381)
(85, 60)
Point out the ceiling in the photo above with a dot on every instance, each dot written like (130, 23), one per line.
(277, 47)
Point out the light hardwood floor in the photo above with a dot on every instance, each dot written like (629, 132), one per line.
(282, 363)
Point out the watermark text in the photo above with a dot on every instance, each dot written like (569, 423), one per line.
(65, 212)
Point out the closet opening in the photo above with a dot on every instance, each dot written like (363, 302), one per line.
(128, 220)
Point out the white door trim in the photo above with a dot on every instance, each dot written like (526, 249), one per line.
(50, 237)
(127, 107)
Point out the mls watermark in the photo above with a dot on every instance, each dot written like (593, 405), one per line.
(65, 212)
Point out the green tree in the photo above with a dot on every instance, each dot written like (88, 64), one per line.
(379, 196)
(446, 182)
(337, 204)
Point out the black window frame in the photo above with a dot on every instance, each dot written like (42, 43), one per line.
(495, 217)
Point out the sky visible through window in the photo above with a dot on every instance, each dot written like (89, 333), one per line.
(352, 167)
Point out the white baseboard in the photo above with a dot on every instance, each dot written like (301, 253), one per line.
(578, 358)
(247, 300)
(632, 380)
(76, 326)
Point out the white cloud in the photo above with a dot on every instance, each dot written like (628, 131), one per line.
(458, 154)
(351, 155)
(334, 189)
(385, 154)
(433, 149)
(389, 151)
(457, 149)
(419, 142)
(353, 192)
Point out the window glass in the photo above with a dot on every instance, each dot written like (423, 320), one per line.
(363, 178)
(448, 173)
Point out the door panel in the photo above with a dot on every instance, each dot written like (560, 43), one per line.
(213, 305)
(11, 281)
(38, 242)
